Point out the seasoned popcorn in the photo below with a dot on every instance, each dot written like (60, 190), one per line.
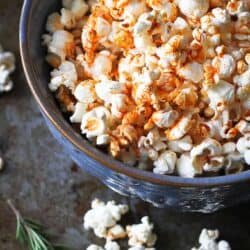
(160, 85)
(208, 241)
(7, 67)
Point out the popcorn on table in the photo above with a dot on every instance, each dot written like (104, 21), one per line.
(103, 218)
(162, 85)
(208, 240)
(141, 234)
(7, 66)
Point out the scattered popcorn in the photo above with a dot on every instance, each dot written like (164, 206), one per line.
(103, 216)
(160, 85)
(141, 234)
(208, 241)
(7, 66)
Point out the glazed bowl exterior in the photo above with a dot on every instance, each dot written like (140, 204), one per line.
(182, 194)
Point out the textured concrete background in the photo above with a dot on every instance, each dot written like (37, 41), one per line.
(46, 185)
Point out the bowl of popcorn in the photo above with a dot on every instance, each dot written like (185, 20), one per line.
(152, 97)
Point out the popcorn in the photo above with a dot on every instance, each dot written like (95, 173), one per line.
(54, 23)
(95, 122)
(165, 164)
(159, 85)
(102, 66)
(94, 247)
(106, 88)
(141, 234)
(182, 145)
(193, 8)
(111, 245)
(84, 92)
(206, 156)
(225, 65)
(66, 75)
(180, 128)
(80, 110)
(103, 216)
(78, 7)
(67, 19)
(208, 241)
(185, 167)
(192, 71)
(62, 44)
(221, 94)
(7, 66)
(243, 146)
(165, 119)
(243, 79)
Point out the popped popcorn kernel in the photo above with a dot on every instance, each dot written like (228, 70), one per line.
(153, 83)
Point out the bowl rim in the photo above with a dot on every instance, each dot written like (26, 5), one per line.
(69, 134)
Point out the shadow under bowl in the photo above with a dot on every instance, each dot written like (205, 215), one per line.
(182, 194)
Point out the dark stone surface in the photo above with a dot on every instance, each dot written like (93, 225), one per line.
(47, 186)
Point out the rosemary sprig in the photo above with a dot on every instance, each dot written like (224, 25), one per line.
(31, 233)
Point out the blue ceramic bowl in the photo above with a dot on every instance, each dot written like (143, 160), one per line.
(182, 194)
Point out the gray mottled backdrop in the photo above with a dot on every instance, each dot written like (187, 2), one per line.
(46, 185)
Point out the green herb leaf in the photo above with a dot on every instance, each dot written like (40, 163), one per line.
(32, 234)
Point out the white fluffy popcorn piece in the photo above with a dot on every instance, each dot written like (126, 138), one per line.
(102, 65)
(182, 145)
(101, 217)
(192, 71)
(65, 75)
(67, 18)
(209, 241)
(141, 234)
(111, 245)
(193, 8)
(134, 9)
(94, 247)
(166, 162)
(225, 65)
(85, 91)
(105, 88)
(103, 27)
(62, 41)
(221, 94)
(243, 146)
(184, 166)
(207, 149)
(165, 119)
(7, 66)
(54, 23)
(118, 105)
(80, 110)
(243, 79)
(221, 17)
(78, 7)
(102, 139)
(235, 7)
(95, 122)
